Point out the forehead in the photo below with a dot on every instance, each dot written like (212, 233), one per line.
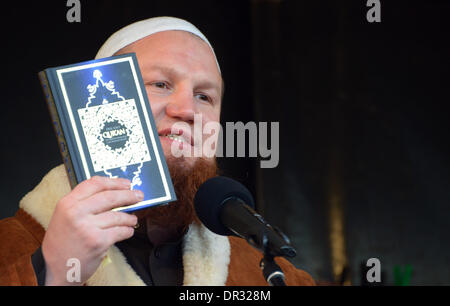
(178, 50)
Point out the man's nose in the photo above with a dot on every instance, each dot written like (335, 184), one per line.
(181, 106)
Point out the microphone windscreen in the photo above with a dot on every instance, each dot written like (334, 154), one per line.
(212, 195)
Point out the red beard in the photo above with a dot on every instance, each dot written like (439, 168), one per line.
(180, 214)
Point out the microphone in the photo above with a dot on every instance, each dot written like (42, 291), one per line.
(225, 207)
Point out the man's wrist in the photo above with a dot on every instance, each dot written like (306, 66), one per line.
(51, 280)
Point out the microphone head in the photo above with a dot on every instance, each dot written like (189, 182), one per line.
(210, 198)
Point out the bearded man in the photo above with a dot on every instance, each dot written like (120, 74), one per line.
(165, 245)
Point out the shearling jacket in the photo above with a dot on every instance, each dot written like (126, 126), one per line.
(208, 259)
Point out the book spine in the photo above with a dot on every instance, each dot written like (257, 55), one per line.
(62, 143)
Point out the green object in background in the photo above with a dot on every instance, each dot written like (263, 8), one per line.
(402, 277)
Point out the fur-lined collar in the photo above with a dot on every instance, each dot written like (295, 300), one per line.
(205, 255)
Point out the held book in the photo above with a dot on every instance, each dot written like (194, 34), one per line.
(104, 126)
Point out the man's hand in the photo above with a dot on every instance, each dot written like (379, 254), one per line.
(84, 227)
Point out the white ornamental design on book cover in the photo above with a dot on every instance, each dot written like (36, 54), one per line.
(113, 131)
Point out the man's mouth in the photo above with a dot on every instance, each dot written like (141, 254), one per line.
(176, 138)
(182, 137)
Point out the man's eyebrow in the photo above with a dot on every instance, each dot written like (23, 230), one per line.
(164, 69)
(207, 84)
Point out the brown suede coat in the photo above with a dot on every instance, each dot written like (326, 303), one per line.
(22, 234)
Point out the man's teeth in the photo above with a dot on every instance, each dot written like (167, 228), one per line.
(175, 137)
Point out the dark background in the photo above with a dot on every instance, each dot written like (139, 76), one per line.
(363, 111)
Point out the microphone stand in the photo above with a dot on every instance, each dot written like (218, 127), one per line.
(271, 270)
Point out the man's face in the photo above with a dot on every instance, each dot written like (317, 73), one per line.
(182, 80)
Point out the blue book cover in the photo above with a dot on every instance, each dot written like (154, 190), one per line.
(104, 126)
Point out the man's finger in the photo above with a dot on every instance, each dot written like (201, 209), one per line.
(107, 200)
(118, 233)
(97, 184)
(114, 218)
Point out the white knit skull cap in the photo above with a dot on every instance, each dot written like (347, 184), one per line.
(140, 29)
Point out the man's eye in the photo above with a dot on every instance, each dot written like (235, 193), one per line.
(161, 85)
(203, 97)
